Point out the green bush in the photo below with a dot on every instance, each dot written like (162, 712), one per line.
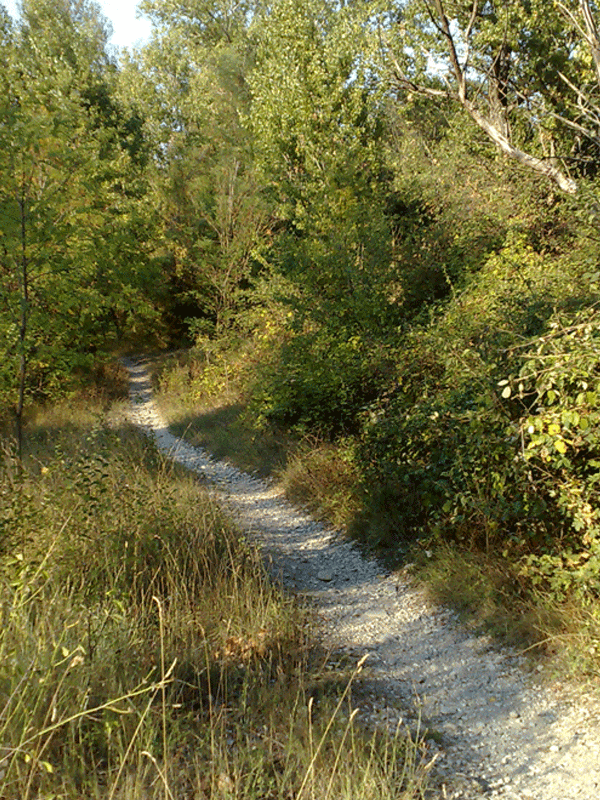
(558, 386)
(489, 436)
(324, 379)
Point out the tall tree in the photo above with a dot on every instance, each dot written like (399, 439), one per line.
(65, 160)
(316, 119)
(515, 66)
(192, 81)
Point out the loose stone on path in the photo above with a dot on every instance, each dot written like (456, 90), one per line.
(496, 730)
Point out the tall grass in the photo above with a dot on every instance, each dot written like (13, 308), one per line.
(329, 478)
(143, 652)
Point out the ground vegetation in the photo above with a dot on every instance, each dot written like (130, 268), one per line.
(144, 651)
(372, 228)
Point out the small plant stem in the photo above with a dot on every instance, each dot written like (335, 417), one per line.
(131, 741)
(339, 753)
(163, 695)
(162, 775)
(310, 771)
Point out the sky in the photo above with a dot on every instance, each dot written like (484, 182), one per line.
(127, 30)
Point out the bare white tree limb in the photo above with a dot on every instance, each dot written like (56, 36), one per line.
(545, 167)
(498, 134)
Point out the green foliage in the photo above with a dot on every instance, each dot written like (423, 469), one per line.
(372, 268)
(414, 271)
(523, 71)
(489, 436)
(558, 384)
(191, 82)
(323, 380)
(314, 115)
(317, 124)
(72, 219)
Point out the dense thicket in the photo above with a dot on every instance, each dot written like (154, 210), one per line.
(73, 224)
(403, 197)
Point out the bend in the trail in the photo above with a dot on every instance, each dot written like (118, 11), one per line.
(501, 734)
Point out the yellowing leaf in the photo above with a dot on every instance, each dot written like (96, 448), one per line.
(506, 392)
(560, 446)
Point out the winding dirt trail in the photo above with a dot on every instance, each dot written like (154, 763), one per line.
(500, 733)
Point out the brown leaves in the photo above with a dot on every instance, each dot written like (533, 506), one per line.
(243, 649)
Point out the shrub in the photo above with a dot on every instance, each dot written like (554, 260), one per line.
(490, 435)
(324, 378)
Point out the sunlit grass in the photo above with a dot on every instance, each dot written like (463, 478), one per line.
(489, 596)
(217, 415)
(143, 651)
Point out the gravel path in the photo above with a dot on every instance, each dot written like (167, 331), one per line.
(497, 732)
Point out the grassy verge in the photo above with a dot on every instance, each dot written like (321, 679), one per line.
(143, 652)
(560, 638)
(488, 592)
(211, 408)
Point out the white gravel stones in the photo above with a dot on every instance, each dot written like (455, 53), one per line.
(497, 733)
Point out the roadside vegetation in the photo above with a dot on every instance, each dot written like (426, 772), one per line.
(383, 284)
(144, 652)
(464, 442)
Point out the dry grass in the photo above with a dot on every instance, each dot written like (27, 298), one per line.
(490, 597)
(324, 478)
(143, 652)
(212, 411)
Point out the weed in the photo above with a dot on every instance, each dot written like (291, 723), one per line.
(144, 653)
(323, 477)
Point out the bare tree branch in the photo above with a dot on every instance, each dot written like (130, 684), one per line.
(587, 31)
(542, 166)
(584, 104)
(454, 60)
(468, 33)
(592, 35)
(489, 123)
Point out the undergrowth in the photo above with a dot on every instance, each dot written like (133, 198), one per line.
(559, 638)
(216, 409)
(481, 452)
(143, 651)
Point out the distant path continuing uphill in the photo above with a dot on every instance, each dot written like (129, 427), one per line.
(501, 734)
